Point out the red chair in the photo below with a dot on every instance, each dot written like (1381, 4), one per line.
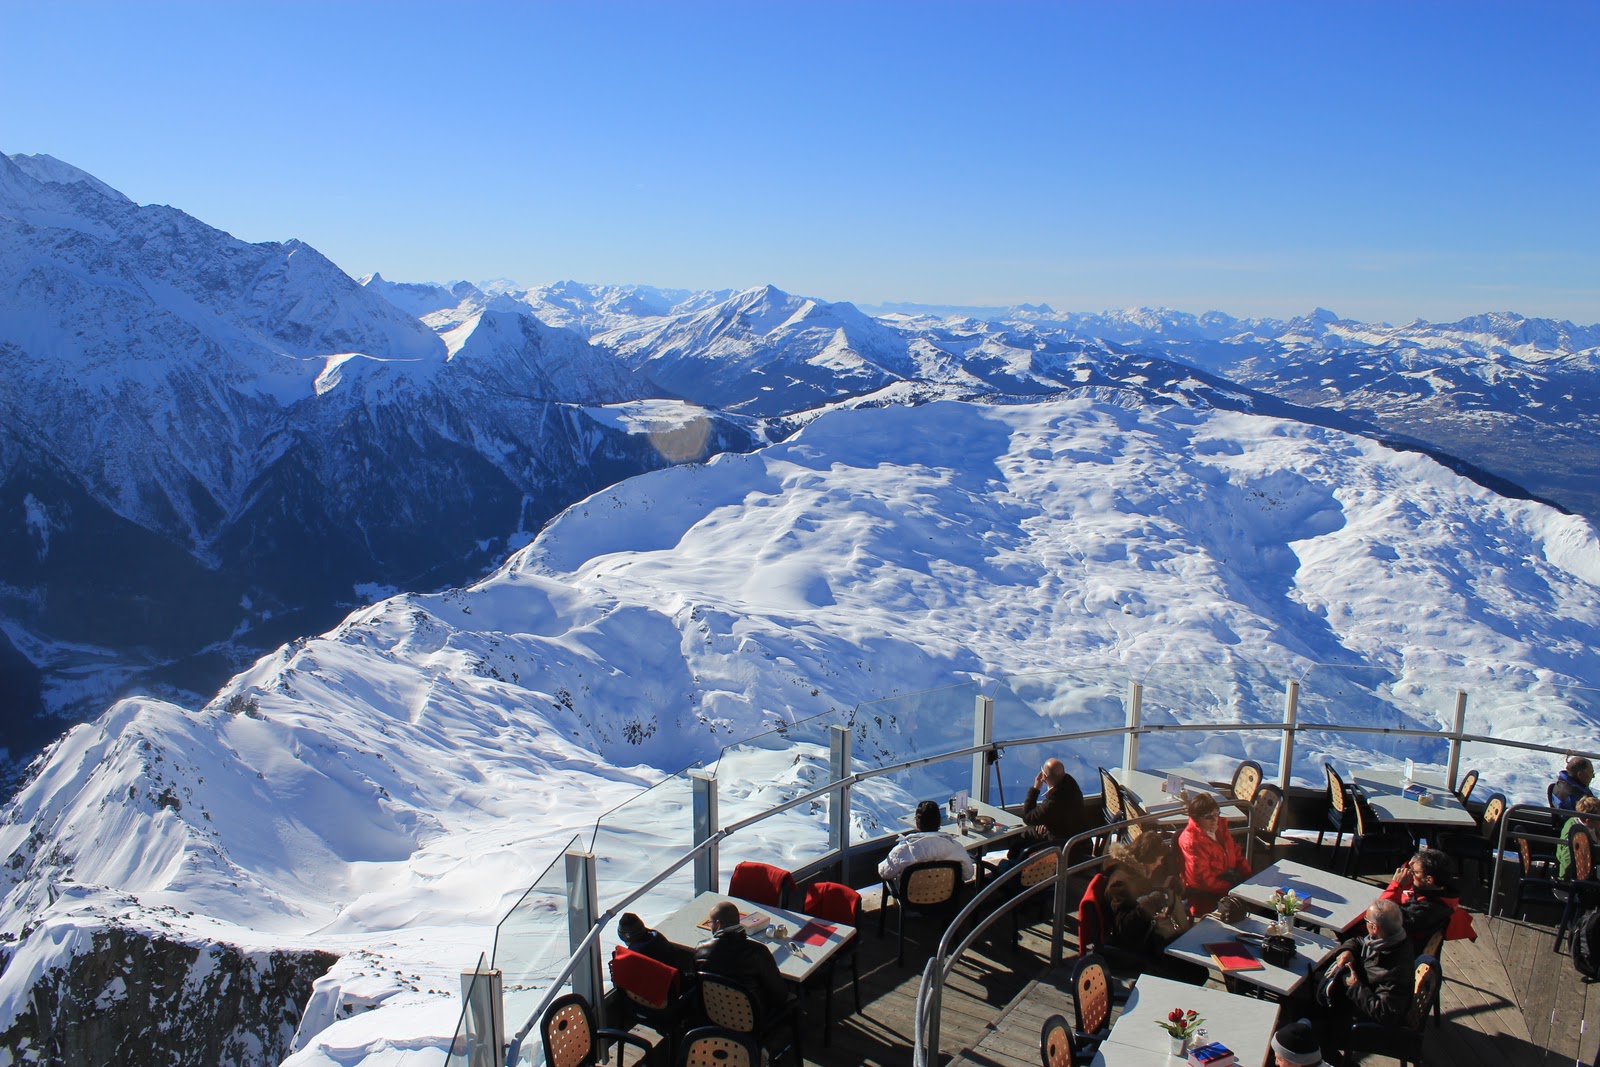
(836, 903)
(762, 883)
(652, 993)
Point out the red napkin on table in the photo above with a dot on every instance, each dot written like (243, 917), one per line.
(815, 933)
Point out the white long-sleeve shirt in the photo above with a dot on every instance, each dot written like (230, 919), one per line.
(923, 848)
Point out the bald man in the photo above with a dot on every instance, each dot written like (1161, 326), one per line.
(1058, 814)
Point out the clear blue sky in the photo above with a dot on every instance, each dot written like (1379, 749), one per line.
(1387, 160)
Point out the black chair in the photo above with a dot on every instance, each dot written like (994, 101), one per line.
(1040, 864)
(1478, 848)
(733, 1005)
(653, 993)
(1055, 1042)
(1341, 809)
(1403, 1042)
(1581, 890)
(716, 1046)
(932, 888)
(1374, 839)
(1469, 781)
(1091, 1004)
(1538, 874)
(571, 1040)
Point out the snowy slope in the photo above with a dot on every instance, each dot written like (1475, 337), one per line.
(386, 790)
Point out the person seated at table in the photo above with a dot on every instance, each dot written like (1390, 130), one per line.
(1425, 889)
(1053, 808)
(1143, 902)
(1213, 862)
(731, 954)
(653, 943)
(1572, 784)
(1372, 975)
(1585, 806)
(924, 844)
(1295, 1045)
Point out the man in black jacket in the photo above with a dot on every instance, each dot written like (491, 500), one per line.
(653, 943)
(1058, 814)
(731, 954)
(1375, 973)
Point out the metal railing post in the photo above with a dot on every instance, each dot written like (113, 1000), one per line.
(707, 873)
(1291, 713)
(1130, 740)
(982, 734)
(484, 992)
(583, 912)
(839, 800)
(1460, 728)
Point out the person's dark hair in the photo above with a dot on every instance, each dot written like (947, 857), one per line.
(929, 815)
(631, 928)
(1579, 765)
(1437, 865)
(1202, 805)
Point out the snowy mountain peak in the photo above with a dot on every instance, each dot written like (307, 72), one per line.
(43, 168)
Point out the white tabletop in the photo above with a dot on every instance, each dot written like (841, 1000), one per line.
(975, 840)
(1244, 1024)
(1149, 789)
(1337, 903)
(1385, 796)
(1311, 949)
(683, 926)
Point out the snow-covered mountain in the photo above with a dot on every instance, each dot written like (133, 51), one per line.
(383, 792)
(207, 446)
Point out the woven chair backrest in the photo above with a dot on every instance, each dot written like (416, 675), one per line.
(930, 885)
(1245, 781)
(1091, 995)
(1582, 847)
(1040, 868)
(1492, 813)
(1112, 794)
(1055, 1042)
(569, 1036)
(703, 1049)
(727, 1005)
(1338, 796)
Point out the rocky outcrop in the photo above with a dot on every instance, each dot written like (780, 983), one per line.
(134, 998)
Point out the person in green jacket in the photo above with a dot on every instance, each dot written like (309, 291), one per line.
(1586, 806)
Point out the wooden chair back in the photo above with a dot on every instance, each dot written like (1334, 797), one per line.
(935, 882)
(729, 1004)
(715, 1046)
(1469, 782)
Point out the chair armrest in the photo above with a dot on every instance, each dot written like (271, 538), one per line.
(626, 1038)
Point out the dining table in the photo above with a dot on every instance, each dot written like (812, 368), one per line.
(1423, 803)
(1336, 903)
(1244, 1024)
(1006, 825)
(809, 943)
(1200, 943)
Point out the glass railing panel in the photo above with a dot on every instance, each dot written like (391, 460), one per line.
(532, 944)
(1518, 706)
(1520, 774)
(1379, 699)
(636, 840)
(900, 729)
(1353, 754)
(472, 1035)
(1227, 694)
(765, 771)
(1090, 699)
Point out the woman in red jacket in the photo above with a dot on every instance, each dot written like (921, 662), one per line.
(1213, 863)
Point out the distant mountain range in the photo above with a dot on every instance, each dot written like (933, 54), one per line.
(211, 446)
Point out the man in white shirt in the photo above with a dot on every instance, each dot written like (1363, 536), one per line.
(926, 843)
